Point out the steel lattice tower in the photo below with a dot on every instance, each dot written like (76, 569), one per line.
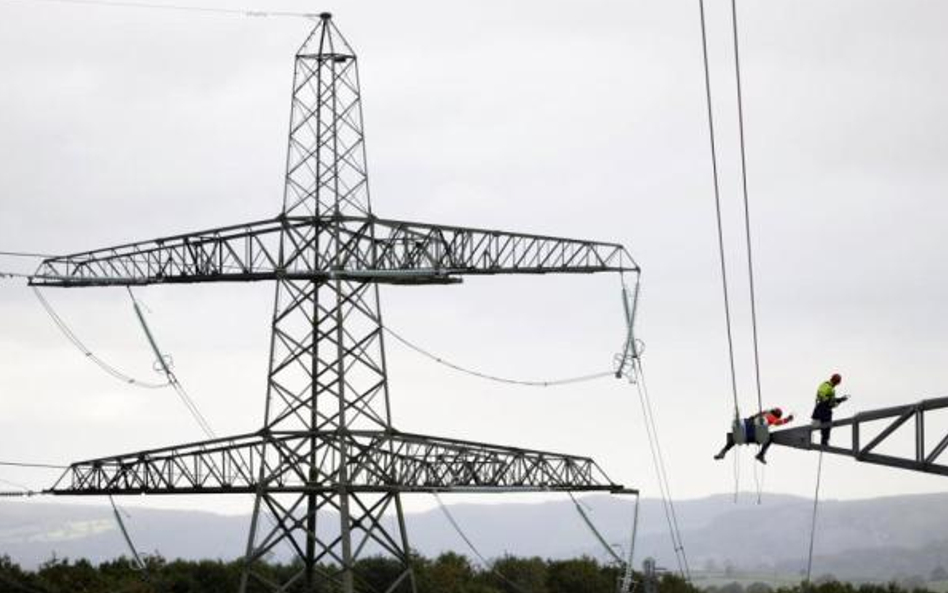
(328, 465)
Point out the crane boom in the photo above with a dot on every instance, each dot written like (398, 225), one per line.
(924, 458)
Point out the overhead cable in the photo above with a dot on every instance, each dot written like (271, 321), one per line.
(658, 461)
(25, 254)
(242, 12)
(74, 339)
(816, 500)
(747, 224)
(495, 378)
(34, 465)
(21, 490)
(717, 209)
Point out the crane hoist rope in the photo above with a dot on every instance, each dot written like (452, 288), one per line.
(757, 432)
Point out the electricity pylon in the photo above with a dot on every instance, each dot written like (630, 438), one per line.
(327, 441)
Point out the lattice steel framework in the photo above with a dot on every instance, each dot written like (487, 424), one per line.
(924, 457)
(327, 441)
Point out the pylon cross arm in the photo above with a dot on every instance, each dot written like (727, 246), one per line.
(355, 248)
(375, 461)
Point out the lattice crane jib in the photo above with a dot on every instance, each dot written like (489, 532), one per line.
(327, 469)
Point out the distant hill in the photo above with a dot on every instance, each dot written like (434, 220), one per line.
(878, 538)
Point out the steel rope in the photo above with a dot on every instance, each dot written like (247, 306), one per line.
(816, 499)
(747, 224)
(658, 460)
(717, 208)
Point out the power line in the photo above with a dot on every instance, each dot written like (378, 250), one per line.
(74, 339)
(495, 378)
(34, 465)
(658, 460)
(244, 12)
(26, 254)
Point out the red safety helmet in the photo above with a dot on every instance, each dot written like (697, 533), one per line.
(777, 412)
(836, 379)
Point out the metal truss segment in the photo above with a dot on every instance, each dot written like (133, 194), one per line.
(924, 458)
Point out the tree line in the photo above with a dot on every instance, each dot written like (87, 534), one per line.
(448, 573)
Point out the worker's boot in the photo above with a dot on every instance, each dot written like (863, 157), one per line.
(760, 457)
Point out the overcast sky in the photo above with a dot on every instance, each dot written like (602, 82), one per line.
(576, 119)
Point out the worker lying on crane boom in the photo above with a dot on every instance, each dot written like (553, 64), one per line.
(826, 400)
(772, 417)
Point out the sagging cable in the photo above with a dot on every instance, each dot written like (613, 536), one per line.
(495, 378)
(74, 339)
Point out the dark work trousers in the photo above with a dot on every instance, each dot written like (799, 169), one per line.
(823, 413)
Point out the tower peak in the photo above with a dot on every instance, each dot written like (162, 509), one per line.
(325, 40)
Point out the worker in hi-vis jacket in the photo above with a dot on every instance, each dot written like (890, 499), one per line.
(772, 417)
(826, 400)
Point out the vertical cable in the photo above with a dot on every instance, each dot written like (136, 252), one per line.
(747, 225)
(816, 499)
(717, 207)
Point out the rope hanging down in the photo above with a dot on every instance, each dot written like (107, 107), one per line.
(747, 224)
(658, 462)
(717, 209)
(816, 499)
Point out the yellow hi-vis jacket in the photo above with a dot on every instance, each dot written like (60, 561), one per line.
(826, 392)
